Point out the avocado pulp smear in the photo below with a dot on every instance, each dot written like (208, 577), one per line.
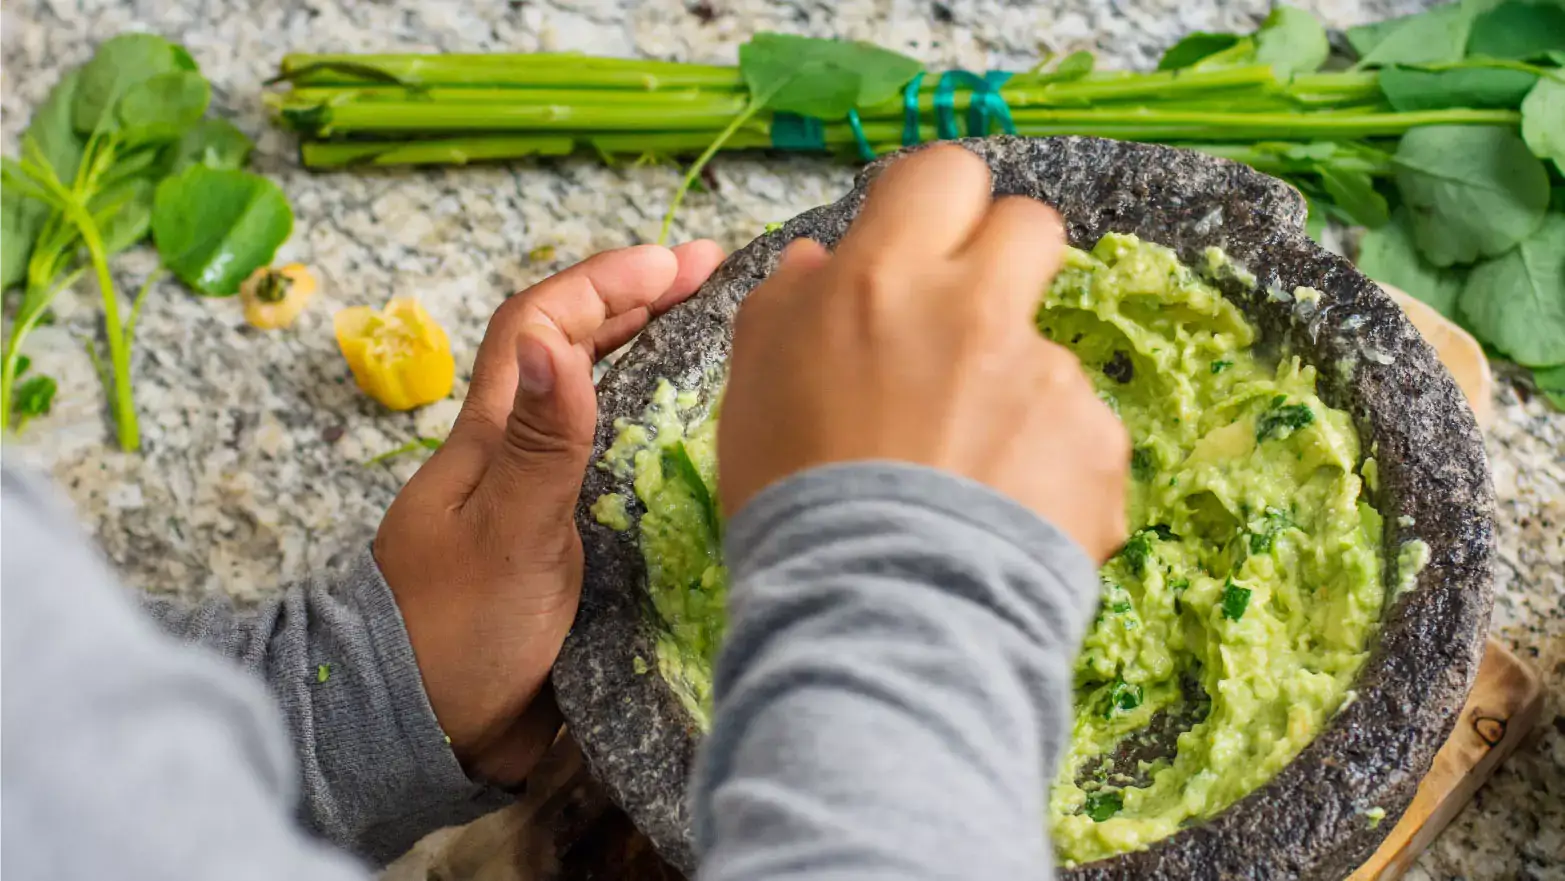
(1233, 621)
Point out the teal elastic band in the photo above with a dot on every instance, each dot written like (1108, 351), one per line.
(866, 152)
(986, 104)
(790, 131)
(910, 113)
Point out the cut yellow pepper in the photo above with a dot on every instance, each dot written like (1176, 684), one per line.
(273, 298)
(399, 355)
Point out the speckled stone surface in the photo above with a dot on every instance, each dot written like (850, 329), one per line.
(1434, 486)
(252, 472)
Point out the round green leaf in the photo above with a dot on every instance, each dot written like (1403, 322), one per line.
(1194, 47)
(215, 143)
(1543, 120)
(1473, 191)
(1516, 302)
(1519, 30)
(1388, 254)
(213, 227)
(1292, 42)
(120, 64)
(162, 107)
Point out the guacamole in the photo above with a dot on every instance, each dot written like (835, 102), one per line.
(1234, 619)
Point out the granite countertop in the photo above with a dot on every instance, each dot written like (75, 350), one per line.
(253, 469)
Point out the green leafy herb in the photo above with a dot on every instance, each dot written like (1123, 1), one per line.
(23, 364)
(1103, 804)
(677, 465)
(1516, 302)
(1355, 196)
(215, 226)
(1220, 365)
(322, 672)
(1178, 584)
(1389, 254)
(1543, 120)
(1123, 697)
(1143, 463)
(1472, 190)
(1137, 551)
(418, 443)
(120, 65)
(1282, 419)
(123, 213)
(1519, 30)
(1292, 41)
(1551, 384)
(1410, 89)
(1070, 69)
(1195, 47)
(807, 76)
(1433, 37)
(215, 143)
(162, 107)
(34, 397)
(1235, 600)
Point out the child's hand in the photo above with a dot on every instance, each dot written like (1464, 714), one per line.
(480, 548)
(915, 342)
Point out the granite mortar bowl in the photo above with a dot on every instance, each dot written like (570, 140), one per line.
(1434, 485)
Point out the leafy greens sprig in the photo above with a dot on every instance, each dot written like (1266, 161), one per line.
(117, 150)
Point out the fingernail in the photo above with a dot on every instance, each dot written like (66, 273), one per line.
(535, 367)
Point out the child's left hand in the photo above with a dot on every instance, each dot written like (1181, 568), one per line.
(480, 548)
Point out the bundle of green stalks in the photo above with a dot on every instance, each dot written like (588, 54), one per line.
(1442, 133)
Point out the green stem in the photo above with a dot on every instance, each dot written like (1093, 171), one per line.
(756, 103)
(136, 304)
(412, 116)
(541, 69)
(337, 95)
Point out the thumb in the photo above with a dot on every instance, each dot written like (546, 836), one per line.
(547, 441)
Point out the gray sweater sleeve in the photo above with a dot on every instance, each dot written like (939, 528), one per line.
(375, 770)
(895, 686)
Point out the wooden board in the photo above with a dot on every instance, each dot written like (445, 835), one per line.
(1502, 709)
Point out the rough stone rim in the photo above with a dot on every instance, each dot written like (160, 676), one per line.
(1307, 822)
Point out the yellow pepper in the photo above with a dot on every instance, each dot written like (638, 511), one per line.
(399, 355)
(273, 298)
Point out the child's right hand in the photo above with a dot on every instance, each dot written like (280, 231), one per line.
(915, 342)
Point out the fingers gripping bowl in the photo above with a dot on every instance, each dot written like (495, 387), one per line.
(1321, 813)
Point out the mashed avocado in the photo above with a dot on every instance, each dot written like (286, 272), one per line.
(1233, 621)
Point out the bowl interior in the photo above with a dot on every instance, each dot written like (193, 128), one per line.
(1433, 486)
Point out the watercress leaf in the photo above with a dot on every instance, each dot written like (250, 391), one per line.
(20, 220)
(1194, 47)
(1389, 254)
(34, 397)
(213, 227)
(162, 107)
(823, 78)
(1433, 37)
(1071, 68)
(1473, 191)
(120, 64)
(1543, 120)
(215, 143)
(51, 128)
(1409, 89)
(1315, 222)
(1516, 302)
(1551, 383)
(1291, 41)
(123, 213)
(1354, 193)
(1519, 30)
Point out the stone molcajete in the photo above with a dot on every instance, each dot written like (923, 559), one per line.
(1309, 821)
